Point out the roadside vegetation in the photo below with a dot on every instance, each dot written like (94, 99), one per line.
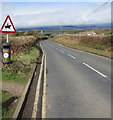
(26, 50)
(7, 100)
(81, 31)
(100, 43)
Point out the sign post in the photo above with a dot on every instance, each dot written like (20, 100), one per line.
(7, 27)
(7, 38)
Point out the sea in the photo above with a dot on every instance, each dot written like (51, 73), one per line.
(67, 27)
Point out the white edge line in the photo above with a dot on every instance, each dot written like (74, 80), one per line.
(60, 44)
(44, 92)
(95, 70)
(34, 113)
(44, 88)
(86, 52)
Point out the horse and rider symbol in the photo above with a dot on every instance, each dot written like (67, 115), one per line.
(7, 26)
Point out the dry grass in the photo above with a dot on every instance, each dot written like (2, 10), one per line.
(98, 44)
(20, 43)
(100, 39)
(24, 57)
(96, 39)
(25, 53)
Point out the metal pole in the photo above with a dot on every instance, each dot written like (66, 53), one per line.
(7, 38)
(61, 29)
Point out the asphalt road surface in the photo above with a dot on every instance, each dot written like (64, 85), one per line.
(78, 83)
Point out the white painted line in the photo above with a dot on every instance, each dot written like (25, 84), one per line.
(61, 51)
(36, 101)
(93, 54)
(71, 56)
(95, 70)
(44, 92)
(59, 44)
(98, 56)
(86, 52)
(68, 54)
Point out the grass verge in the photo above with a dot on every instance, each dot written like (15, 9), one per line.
(99, 49)
(21, 66)
(18, 71)
(7, 104)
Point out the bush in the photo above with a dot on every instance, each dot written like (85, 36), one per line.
(19, 44)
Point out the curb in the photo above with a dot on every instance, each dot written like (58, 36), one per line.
(22, 98)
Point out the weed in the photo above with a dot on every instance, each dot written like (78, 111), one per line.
(7, 100)
(98, 44)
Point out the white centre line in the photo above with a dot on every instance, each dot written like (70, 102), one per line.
(95, 70)
(71, 56)
(61, 51)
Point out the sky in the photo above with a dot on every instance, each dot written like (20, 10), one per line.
(35, 14)
(54, 0)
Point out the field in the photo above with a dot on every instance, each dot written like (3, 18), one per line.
(100, 43)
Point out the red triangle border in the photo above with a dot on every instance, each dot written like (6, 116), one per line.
(4, 24)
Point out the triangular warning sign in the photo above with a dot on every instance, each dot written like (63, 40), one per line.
(8, 26)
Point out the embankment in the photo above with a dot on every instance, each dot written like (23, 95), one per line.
(97, 44)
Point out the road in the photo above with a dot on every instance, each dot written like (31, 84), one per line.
(78, 83)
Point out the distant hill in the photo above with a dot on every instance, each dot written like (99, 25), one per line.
(69, 27)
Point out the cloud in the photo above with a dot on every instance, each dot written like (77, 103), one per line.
(54, 0)
(46, 14)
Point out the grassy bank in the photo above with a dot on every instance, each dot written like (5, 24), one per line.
(19, 71)
(21, 67)
(98, 44)
(7, 100)
(5, 109)
(24, 57)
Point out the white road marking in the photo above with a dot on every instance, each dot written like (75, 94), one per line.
(93, 54)
(95, 70)
(86, 52)
(98, 56)
(59, 44)
(36, 101)
(44, 92)
(61, 51)
(56, 48)
(71, 56)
